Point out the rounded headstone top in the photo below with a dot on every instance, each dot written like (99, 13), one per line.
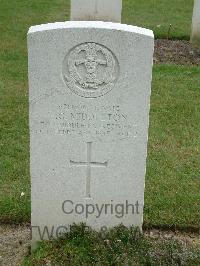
(90, 25)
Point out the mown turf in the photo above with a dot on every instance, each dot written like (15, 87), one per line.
(159, 14)
(120, 246)
(173, 171)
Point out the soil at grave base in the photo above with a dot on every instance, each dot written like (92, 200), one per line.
(15, 241)
(14, 244)
(176, 52)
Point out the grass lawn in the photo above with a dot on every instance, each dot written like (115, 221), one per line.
(120, 246)
(159, 14)
(173, 169)
(172, 183)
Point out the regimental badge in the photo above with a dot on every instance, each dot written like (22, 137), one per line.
(90, 70)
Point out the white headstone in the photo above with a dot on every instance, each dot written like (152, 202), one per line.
(195, 35)
(90, 86)
(102, 10)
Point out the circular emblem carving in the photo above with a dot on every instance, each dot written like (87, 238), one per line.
(90, 70)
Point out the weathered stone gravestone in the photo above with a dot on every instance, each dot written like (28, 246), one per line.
(103, 10)
(195, 35)
(90, 85)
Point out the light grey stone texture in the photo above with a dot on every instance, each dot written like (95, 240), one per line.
(90, 86)
(102, 10)
(195, 34)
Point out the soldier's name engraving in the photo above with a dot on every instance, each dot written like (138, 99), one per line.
(108, 122)
(97, 121)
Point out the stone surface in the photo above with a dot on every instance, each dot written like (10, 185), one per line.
(90, 85)
(102, 10)
(195, 35)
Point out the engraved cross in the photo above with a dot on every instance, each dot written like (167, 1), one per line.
(89, 164)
